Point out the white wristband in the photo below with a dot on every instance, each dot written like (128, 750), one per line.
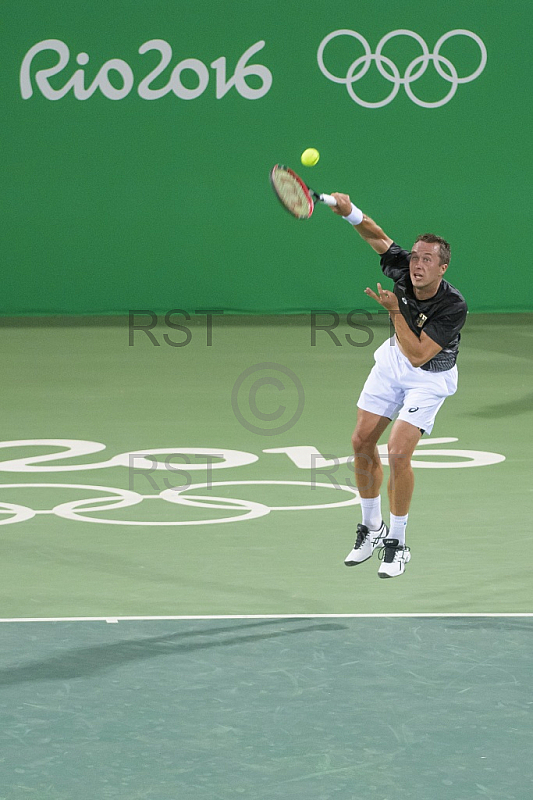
(355, 217)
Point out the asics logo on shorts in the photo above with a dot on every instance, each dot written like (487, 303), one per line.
(390, 72)
(412, 410)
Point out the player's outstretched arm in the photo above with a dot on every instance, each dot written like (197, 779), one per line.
(367, 229)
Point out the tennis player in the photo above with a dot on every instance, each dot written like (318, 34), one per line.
(415, 370)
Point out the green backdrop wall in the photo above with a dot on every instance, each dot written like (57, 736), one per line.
(137, 139)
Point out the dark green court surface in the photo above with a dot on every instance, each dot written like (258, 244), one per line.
(309, 709)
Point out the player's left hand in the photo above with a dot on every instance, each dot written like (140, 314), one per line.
(385, 298)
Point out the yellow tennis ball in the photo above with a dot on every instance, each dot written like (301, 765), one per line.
(310, 157)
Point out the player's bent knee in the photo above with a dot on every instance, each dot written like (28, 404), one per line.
(399, 461)
(357, 442)
(399, 455)
(368, 429)
(363, 442)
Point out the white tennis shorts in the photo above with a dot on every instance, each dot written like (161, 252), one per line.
(395, 388)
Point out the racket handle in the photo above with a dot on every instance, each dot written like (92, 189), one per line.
(328, 200)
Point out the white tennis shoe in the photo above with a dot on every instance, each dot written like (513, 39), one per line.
(365, 544)
(394, 557)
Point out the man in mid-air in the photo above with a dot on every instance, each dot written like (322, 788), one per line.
(415, 371)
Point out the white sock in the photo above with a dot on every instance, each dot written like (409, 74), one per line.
(372, 512)
(397, 528)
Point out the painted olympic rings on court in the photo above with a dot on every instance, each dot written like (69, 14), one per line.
(114, 497)
(390, 71)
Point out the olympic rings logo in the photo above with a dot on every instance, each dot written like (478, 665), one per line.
(178, 506)
(388, 69)
(112, 497)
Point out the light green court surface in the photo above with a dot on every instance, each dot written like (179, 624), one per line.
(310, 708)
(469, 527)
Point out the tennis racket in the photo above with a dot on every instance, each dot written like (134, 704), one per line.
(294, 195)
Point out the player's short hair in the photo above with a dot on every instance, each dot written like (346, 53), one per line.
(444, 248)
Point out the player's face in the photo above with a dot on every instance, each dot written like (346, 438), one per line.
(424, 267)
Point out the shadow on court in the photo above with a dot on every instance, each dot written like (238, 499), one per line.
(86, 661)
(492, 625)
(512, 408)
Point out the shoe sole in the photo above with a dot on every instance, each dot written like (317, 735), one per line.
(356, 563)
(383, 575)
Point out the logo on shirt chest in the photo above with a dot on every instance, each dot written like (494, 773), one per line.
(419, 321)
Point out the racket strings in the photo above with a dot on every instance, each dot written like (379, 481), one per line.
(291, 193)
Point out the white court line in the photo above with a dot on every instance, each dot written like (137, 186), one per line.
(266, 616)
